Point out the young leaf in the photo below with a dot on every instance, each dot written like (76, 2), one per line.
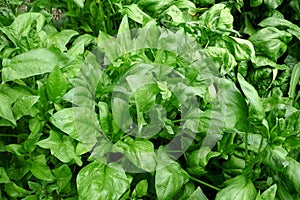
(40, 169)
(56, 85)
(256, 106)
(63, 175)
(24, 106)
(295, 80)
(61, 146)
(100, 181)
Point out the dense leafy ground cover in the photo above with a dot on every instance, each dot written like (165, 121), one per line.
(150, 99)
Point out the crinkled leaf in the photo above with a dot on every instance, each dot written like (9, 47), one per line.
(241, 49)
(61, 146)
(100, 181)
(224, 60)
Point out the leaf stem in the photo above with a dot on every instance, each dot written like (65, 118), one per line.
(204, 183)
(8, 135)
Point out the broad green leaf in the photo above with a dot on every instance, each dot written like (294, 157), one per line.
(100, 181)
(3, 176)
(136, 14)
(34, 62)
(274, 157)
(15, 191)
(295, 80)
(79, 3)
(56, 85)
(24, 106)
(6, 109)
(175, 13)
(255, 3)
(79, 44)
(61, 39)
(63, 176)
(40, 169)
(239, 187)
(61, 146)
(273, 3)
(140, 189)
(270, 42)
(234, 104)
(198, 195)
(241, 49)
(124, 36)
(23, 23)
(268, 194)
(291, 171)
(256, 107)
(140, 153)
(169, 177)
(217, 17)
(80, 96)
(78, 122)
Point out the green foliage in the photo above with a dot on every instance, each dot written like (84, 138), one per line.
(150, 99)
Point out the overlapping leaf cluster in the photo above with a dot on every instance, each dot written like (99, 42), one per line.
(62, 137)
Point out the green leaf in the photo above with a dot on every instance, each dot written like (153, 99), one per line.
(239, 187)
(256, 107)
(34, 62)
(136, 14)
(140, 189)
(270, 42)
(241, 49)
(61, 146)
(224, 60)
(270, 193)
(40, 169)
(295, 80)
(198, 195)
(79, 3)
(100, 181)
(23, 23)
(291, 171)
(169, 177)
(140, 153)
(255, 3)
(24, 106)
(63, 175)
(61, 39)
(3, 176)
(6, 109)
(273, 3)
(175, 13)
(56, 85)
(78, 122)
(15, 191)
